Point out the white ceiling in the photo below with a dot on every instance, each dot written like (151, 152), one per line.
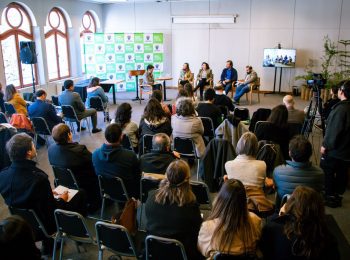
(141, 1)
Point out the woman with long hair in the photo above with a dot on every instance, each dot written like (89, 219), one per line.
(205, 75)
(172, 210)
(123, 119)
(300, 232)
(230, 228)
(14, 98)
(95, 90)
(185, 75)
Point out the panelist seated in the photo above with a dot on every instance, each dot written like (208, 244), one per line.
(186, 76)
(228, 75)
(243, 86)
(148, 78)
(204, 78)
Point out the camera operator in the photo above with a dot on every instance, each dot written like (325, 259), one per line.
(327, 107)
(335, 148)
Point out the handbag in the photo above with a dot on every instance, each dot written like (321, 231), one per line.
(127, 217)
(20, 121)
(257, 201)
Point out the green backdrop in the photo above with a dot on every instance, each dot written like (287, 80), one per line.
(113, 55)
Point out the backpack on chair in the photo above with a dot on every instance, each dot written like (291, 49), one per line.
(267, 152)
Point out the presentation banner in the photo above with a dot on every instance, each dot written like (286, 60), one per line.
(113, 55)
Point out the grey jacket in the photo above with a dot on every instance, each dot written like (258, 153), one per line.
(73, 99)
(251, 78)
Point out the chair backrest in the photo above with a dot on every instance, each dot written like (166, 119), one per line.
(201, 191)
(126, 143)
(96, 102)
(64, 177)
(32, 218)
(294, 129)
(115, 238)
(224, 110)
(256, 84)
(185, 146)
(260, 124)
(3, 118)
(72, 224)
(147, 143)
(55, 100)
(9, 109)
(284, 199)
(242, 113)
(262, 114)
(146, 185)
(222, 256)
(40, 126)
(113, 188)
(164, 248)
(69, 113)
(208, 127)
(28, 96)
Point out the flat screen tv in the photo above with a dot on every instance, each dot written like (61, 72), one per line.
(283, 58)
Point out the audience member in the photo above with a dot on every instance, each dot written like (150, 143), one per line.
(2, 105)
(17, 240)
(277, 130)
(23, 185)
(14, 98)
(298, 171)
(335, 148)
(244, 86)
(230, 228)
(157, 94)
(95, 90)
(208, 109)
(148, 79)
(186, 124)
(204, 77)
(181, 93)
(301, 231)
(130, 128)
(189, 90)
(172, 210)
(228, 76)
(41, 108)
(329, 104)
(68, 97)
(161, 156)
(221, 99)
(67, 154)
(112, 160)
(294, 115)
(186, 75)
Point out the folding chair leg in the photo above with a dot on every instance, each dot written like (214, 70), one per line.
(61, 250)
(55, 247)
(198, 169)
(88, 125)
(102, 208)
(36, 140)
(100, 254)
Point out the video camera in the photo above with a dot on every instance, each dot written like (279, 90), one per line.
(318, 82)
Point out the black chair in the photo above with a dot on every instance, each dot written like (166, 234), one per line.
(28, 97)
(284, 199)
(224, 110)
(55, 101)
(3, 118)
(164, 248)
(64, 177)
(9, 109)
(126, 143)
(242, 113)
(187, 149)
(96, 103)
(114, 238)
(209, 130)
(222, 256)
(294, 129)
(70, 225)
(112, 188)
(260, 124)
(201, 191)
(41, 128)
(70, 116)
(147, 143)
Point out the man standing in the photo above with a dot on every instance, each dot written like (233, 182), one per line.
(228, 75)
(40, 108)
(335, 148)
(68, 97)
(294, 115)
(244, 86)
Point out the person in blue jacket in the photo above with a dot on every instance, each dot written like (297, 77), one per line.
(228, 75)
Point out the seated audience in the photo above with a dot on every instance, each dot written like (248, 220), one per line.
(181, 93)
(186, 124)
(2, 105)
(298, 171)
(112, 160)
(244, 85)
(189, 90)
(221, 99)
(228, 75)
(68, 97)
(204, 77)
(277, 129)
(328, 105)
(230, 228)
(185, 75)
(148, 78)
(41, 108)
(301, 231)
(95, 90)
(130, 128)
(172, 210)
(68, 154)
(208, 109)
(17, 239)
(14, 98)
(161, 156)
(157, 94)
(23, 185)
(294, 115)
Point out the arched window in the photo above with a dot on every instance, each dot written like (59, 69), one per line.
(88, 25)
(56, 41)
(16, 26)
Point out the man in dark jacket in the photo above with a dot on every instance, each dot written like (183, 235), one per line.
(335, 148)
(40, 108)
(208, 109)
(222, 100)
(228, 75)
(113, 160)
(298, 171)
(158, 160)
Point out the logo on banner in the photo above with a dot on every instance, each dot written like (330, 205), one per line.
(148, 37)
(90, 59)
(149, 57)
(138, 48)
(110, 58)
(158, 48)
(99, 49)
(101, 68)
(140, 66)
(109, 38)
(129, 78)
(121, 87)
(129, 38)
(88, 38)
(120, 68)
(110, 76)
(119, 48)
(158, 67)
(129, 57)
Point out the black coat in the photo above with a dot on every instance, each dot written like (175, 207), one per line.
(5, 135)
(211, 111)
(156, 162)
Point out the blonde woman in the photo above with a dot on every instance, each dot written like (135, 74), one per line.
(172, 210)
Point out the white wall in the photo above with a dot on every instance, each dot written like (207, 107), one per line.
(261, 24)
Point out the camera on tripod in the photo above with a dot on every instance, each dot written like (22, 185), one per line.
(318, 82)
